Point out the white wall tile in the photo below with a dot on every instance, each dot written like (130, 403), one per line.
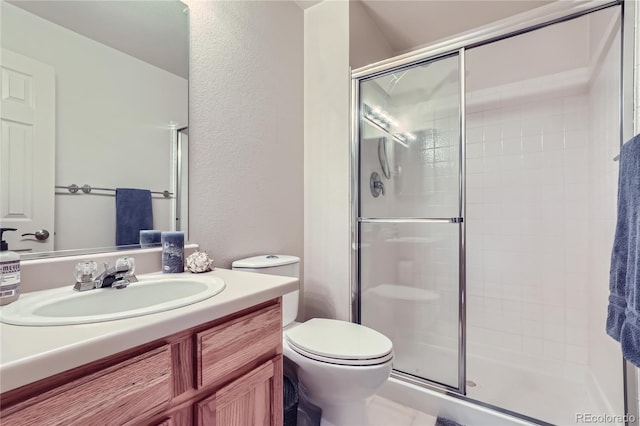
(531, 173)
(577, 354)
(533, 346)
(554, 350)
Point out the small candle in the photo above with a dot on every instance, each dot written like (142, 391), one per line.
(150, 238)
(172, 252)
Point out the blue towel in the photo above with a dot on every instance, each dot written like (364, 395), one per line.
(623, 317)
(133, 214)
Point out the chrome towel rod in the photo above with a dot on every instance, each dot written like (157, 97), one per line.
(73, 188)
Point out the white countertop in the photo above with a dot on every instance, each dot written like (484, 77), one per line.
(28, 354)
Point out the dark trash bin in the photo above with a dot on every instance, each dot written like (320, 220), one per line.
(290, 400)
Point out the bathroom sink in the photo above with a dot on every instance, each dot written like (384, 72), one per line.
(64, 306)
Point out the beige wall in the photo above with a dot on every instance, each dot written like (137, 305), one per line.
(337, 35)
(326, 160)
(246, 135)
(367, 44)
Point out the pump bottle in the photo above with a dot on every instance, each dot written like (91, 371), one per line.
(9, 271)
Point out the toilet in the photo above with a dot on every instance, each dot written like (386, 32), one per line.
(339, 364)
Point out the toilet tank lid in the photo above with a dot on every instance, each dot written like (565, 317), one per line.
(265, 261)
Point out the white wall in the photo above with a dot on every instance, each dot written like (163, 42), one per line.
(326, 160)
(112, 124)
(246, 129)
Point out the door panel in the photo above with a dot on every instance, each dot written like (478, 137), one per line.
(410, 216)
(27, 151)
(409, 292)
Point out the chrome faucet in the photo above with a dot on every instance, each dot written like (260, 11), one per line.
(118, 276)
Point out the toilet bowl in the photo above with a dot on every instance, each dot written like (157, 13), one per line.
(339, 364)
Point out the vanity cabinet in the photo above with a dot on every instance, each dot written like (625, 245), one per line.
(249, 400)
(226, 372)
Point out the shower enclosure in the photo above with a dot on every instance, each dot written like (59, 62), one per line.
(484, 211)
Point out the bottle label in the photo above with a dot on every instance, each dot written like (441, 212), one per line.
(9, 273)
(8, 290)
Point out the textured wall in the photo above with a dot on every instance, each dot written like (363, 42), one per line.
(246, 137)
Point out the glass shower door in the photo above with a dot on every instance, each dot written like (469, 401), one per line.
(410, 216)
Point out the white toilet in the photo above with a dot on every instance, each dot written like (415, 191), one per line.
(339, 364)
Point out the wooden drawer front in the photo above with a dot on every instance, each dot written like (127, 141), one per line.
(113, 396)
(223, 349)
(254, 399)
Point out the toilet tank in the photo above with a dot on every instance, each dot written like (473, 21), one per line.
(283, 265)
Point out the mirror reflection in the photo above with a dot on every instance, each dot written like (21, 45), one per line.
(94, 99)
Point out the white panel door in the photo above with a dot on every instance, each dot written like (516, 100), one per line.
(27, 151)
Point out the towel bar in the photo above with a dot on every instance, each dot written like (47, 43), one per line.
(73, 188)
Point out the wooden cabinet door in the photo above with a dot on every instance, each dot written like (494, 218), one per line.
(254, 399)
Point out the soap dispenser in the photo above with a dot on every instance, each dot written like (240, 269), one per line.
(9, 271)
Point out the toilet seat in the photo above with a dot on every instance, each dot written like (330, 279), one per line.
(340, 342)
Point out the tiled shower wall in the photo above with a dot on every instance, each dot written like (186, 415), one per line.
(606, 377)
(527, 220)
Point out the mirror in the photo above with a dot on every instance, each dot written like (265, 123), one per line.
(94, 98)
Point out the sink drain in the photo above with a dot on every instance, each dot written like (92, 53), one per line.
(471, 383)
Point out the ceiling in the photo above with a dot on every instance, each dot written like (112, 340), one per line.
(155, 31)
(407, 24)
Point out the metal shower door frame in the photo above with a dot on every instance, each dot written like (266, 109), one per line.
(530, 21)
(459, 220)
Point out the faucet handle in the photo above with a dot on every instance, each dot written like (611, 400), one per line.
(126, 264)
(86, 271)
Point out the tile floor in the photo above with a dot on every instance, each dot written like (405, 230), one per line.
(384, 412)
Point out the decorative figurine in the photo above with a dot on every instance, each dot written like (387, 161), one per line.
(198, 262)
